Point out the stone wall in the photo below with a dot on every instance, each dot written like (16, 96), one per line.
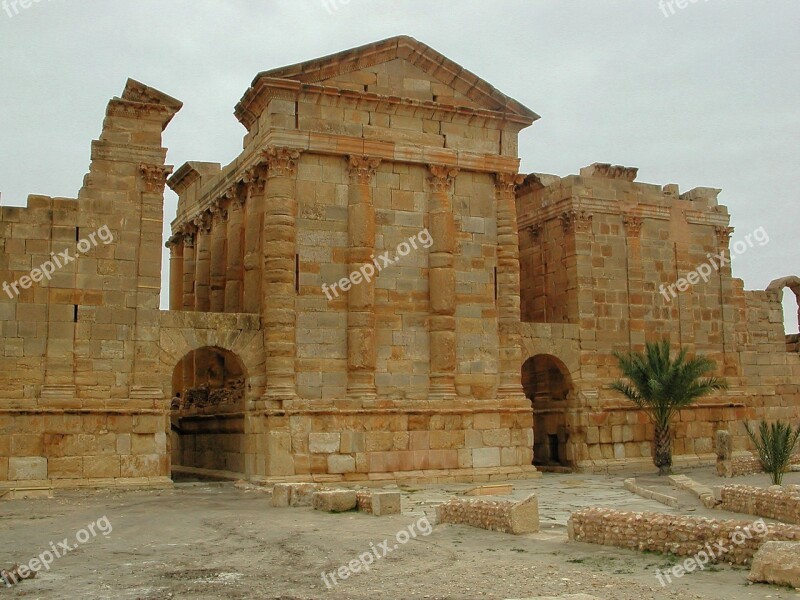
(670, 534)
(604, 253)
(781, 504)
(81, 399)
(506, 516)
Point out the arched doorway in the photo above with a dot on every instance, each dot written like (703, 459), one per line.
(548, 386)
(208, 412)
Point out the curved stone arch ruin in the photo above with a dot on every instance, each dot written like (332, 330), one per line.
(793, 283)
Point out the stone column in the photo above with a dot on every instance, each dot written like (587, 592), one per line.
(188, 269)
(175, 245)
(361, 335)
(508, 314)
(188, 297)
(219, 232)
(442, 284)
(235, 253)
(279, 247)
(202, 288)
(202, 277)
(255, 180)
(635, 274)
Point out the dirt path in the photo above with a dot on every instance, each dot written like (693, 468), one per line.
(216, 541)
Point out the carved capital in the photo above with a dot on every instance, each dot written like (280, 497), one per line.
(507, 183)
(534, 231)
(235, 196)
(255, 180)
(281, 162)
(188, 239)
(577, 221)
(203, 223)
(154, 177)
(362, 169)
(442, 178)
(633, 225)
(724, 236)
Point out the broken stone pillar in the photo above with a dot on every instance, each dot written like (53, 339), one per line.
(279, 241)
(508, 287)
(235, 254)
(361, 350)
(442, 283)
(293, 494)
(217, 258)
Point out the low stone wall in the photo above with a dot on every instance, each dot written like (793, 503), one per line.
(679, 535)
(781, 504)
(505, 516)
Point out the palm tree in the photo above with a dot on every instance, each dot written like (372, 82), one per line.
(662, 386)
(775, 444)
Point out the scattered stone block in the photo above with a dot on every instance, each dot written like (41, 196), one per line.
(293, 494)
(777, 563)
(506, 516)
(334, 500)
(386, 503)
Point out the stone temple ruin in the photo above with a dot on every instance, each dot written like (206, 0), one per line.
(478, 356)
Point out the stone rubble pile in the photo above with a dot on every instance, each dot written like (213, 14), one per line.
(675, 534)
(505, 516)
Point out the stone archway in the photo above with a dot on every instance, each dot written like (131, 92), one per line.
(207, 415)
(548, 385)
(219, 359)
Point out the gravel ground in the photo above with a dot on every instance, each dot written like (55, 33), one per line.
(218, 541)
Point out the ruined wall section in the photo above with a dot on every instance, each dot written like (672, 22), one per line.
(83, 340)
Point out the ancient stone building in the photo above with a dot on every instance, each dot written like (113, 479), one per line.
(345, 296)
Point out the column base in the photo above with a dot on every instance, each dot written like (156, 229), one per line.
(442, 391)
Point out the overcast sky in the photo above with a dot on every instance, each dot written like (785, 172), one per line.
(707, 96)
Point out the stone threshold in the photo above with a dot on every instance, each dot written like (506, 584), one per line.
(480, 475)
(47, 487)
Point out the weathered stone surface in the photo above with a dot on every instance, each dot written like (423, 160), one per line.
(293, 494)
(777, 563)
(29, 467)
(386, 503)
(291, 349)
(335, 500)
(497, 515)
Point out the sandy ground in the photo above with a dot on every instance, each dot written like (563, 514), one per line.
(218, 541)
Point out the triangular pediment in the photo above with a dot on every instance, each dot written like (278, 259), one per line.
(402, 66)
